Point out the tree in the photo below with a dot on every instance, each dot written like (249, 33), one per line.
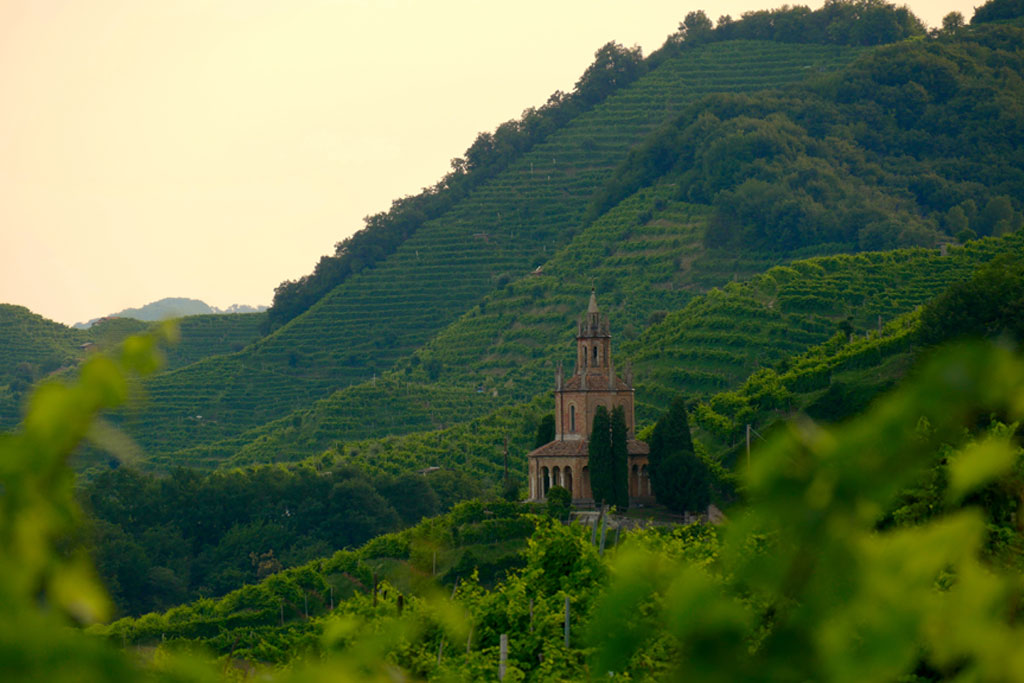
(986, 306)
(680, 480)
(620, 458)
(997, 216)
(952, 23)
(614, 66)
(609, 476)
(995, 10)
(599, 450)
(696, 27)
(545, 431)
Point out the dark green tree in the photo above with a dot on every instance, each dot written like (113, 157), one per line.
(696, 27)
(599, 450)
(952, 23)
(680, 480)
(410, 495)
(988, 305)
(620, 459)
(609, 476)
(545, 431)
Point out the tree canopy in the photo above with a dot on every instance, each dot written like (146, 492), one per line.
(680, 480)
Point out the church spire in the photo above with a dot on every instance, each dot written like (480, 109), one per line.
(592, 308)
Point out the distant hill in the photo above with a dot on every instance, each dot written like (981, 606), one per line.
(172, 307)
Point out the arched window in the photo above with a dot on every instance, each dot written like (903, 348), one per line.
(595, 354)
(572, 419)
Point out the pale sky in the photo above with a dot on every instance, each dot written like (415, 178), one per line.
(211, 149)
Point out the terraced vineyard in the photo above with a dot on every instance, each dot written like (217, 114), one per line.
(719, 339)
(707, 347)
(504, 349)
(211, 335)
(505, 228)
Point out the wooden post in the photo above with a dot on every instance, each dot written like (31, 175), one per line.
(440, 649)
(502, 656)
(469, 639)
(748, 445)
(566, 621)
(604, 531)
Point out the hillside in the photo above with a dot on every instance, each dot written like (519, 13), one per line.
(504, 228)
(888, 472)
(33, 348)
(170, 307)
(783, 174)
(701, 349)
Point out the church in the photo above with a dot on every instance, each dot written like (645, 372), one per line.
(564, 461)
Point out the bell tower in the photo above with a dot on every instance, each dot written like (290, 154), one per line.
(594, 342)
(564, 461)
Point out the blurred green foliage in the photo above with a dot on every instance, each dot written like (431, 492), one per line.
(886, 547)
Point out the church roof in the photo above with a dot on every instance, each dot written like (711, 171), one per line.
(579, 447)
(594, 383)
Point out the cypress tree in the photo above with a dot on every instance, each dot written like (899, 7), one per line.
(679, 479)
(620, 459)
(600, 451)
(545, 431)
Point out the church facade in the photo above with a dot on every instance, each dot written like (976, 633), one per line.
(564, 461)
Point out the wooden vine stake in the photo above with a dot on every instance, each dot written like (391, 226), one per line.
(502, 656)
(566, 621)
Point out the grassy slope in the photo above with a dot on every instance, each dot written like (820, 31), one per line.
(505, 228)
